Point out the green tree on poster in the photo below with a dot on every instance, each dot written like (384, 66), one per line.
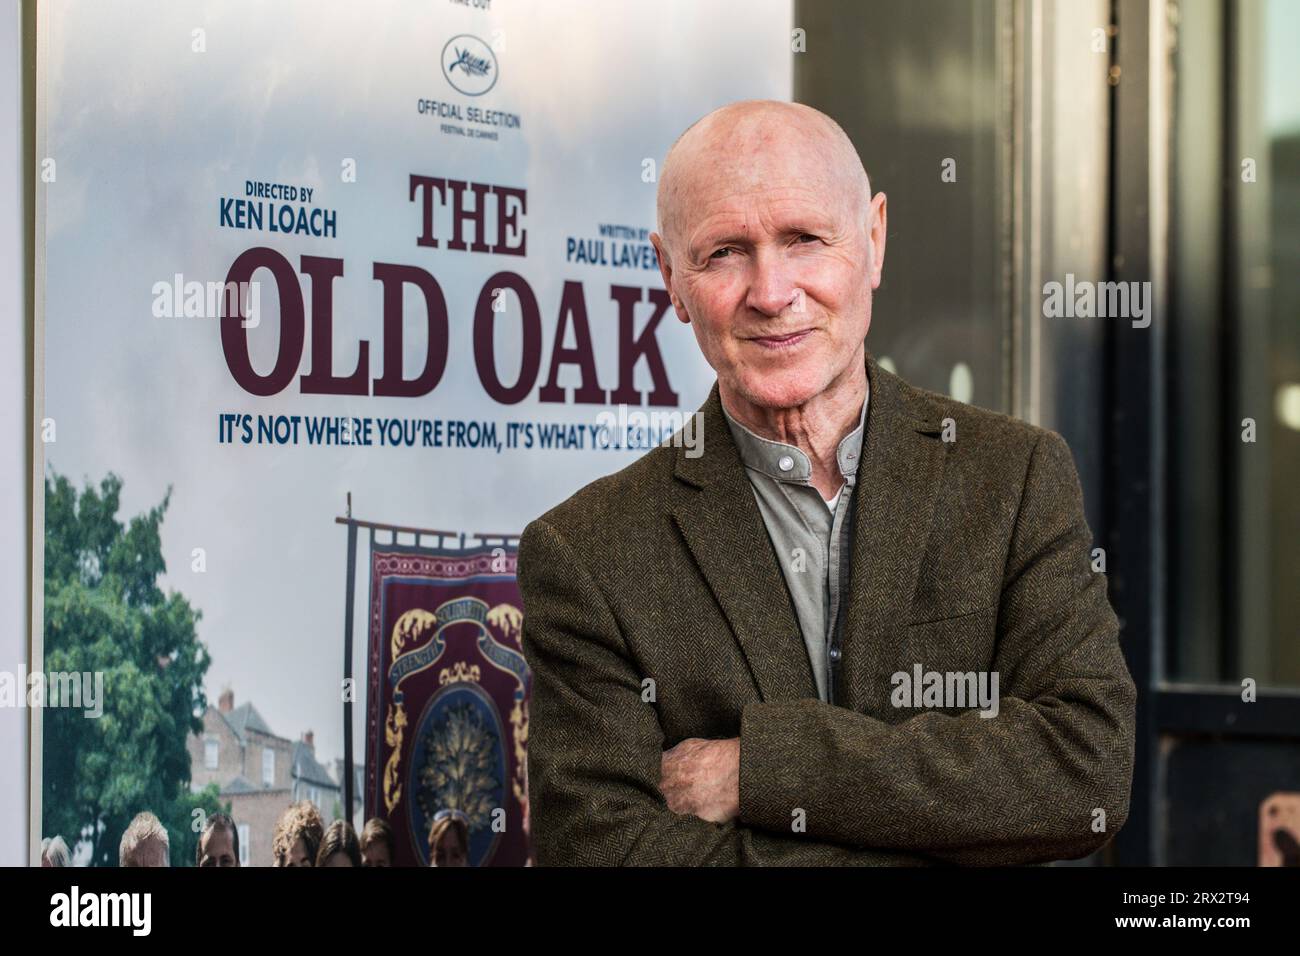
(104, 612)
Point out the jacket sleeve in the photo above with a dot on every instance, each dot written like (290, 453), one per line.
(1021, 787)
(595, 746)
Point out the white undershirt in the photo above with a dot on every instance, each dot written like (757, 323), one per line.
(832, 502)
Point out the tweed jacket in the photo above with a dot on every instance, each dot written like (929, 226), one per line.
(655, 610)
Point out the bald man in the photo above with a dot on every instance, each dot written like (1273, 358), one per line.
(862, 626)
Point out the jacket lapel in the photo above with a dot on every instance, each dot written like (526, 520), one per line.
(899, 474)
(724, 530)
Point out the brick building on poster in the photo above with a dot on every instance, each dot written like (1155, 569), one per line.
(258, 773)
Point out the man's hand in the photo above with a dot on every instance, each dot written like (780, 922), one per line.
(702, 777)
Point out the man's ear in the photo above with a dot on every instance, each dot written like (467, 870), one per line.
(666, 270)
(876, 234)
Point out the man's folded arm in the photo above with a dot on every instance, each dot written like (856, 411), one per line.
(595, 746)
(1022, 787)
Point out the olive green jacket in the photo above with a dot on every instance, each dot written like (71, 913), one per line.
(655, 610)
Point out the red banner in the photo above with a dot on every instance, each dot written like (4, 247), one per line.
(447, 708)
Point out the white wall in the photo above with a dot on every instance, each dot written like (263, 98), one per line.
(14, 459)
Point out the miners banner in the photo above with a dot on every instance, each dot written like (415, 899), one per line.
(447, 715)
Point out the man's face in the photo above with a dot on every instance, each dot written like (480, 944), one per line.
(218, 849)
(375, 853)
(337, 858)
(772, 257)
(298, 855)
(149, 852)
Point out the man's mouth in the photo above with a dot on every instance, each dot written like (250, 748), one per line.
(782, 341)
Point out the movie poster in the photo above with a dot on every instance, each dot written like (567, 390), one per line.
(390, 265)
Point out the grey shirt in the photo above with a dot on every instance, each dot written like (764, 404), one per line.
(810, 534)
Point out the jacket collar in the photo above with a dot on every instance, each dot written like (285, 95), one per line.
(898, 477)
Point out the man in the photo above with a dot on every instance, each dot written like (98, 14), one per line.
(218, 843)
(145, 843)
(720, 667)
(54, 852)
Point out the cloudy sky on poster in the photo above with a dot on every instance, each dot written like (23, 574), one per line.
(148, 135)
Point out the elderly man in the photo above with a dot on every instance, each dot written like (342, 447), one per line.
(145, 843)
(770, 652)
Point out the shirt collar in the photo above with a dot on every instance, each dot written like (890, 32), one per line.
(784, 462)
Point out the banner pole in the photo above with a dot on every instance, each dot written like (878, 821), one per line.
(348, 774)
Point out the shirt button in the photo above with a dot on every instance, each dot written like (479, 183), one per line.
(835, 653)
(785, 463)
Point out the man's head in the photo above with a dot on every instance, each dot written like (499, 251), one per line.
(144, 843)
(770, 245)
(298, 835)
(218, 843)
(54, 852)
(376, 843)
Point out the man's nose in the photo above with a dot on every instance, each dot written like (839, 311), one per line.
(772, 287)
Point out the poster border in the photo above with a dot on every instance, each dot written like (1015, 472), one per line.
(35, 57)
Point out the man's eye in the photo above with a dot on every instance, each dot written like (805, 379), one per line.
(807, 237)
(720, 253)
